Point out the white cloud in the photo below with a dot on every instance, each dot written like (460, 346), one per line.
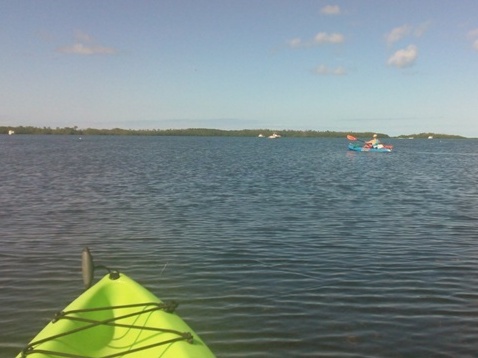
(398, 33)
(404, 58)
(320, 39)
(323, 70)
(473, 33)
(85, 46)
(330, 10)
(297, 42)
(323, 37)
(473, 36)
(420, 30)
(405, 30)
(82, 49)
(83, 37)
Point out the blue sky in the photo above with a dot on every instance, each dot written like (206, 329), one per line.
(395, 67)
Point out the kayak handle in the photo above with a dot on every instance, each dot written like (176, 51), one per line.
(88, 268)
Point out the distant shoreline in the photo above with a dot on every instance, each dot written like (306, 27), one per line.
(207, 132)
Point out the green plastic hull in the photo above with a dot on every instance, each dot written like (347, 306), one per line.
(116, 318)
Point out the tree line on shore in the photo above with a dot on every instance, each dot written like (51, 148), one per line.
(206, 132)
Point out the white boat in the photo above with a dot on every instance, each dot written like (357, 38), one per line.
(10, 132)
(261, 135)
(274, 135)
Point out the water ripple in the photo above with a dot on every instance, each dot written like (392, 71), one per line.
(273, 248)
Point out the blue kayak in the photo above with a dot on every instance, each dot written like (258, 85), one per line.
(362, 148)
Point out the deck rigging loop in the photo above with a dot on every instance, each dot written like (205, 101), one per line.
(140, 309)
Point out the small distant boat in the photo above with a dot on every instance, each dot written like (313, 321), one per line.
(10, 132)
(430, 137)
(261, 135)
(274, 135)
(365, 148)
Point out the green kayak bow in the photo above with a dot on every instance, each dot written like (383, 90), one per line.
(116, 317)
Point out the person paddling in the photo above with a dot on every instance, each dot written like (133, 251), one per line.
(374, 142)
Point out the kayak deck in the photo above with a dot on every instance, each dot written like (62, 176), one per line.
(117, 317)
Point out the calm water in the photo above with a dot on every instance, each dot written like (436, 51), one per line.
(274, 248)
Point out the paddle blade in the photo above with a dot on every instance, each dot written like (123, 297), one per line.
(351, 137)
